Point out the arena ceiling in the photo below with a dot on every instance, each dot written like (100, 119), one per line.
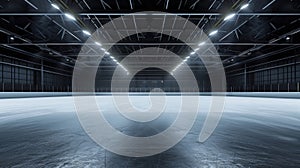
(37, 30)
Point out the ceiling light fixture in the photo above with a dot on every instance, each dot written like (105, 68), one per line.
(55, 6)
(97, 43)
(86, 32)
(106, 52)
(244, 6)
(230, 16)
(68, 15)
(213, 33)
(201, 44)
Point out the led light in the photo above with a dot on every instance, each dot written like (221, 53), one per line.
(12, 38)
(201, 44)
(102, 49)
(196, 49)
(86, 32)
(188, 57)
(244, 6)
(213, 33)
(68, 15)
(230, 16)
(97, 43)
(192, 53)
(55, 6)
(106, 52)
(112, 57)
(287, 38)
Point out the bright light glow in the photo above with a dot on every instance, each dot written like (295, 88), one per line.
(244, 6)
(97, 43)
(86, 32)
(213, 33)
(106, 52)
(68, 15)
(196, 49)
(287, 38)
(55, 6)
(102, 49)
(12, 38)
(188, 57)
(192, 53)
(201, 44)
(112, 57)
(230, 16)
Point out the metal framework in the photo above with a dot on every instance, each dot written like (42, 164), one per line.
(255, 34)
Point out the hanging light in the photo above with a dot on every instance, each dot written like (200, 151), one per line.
(230, 16)
(98, 44)
(55, 6)
(68, 15)
(244, 6)
(213, 33)
(201, 44)
(86, 32)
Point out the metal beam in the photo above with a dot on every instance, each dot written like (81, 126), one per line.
(145, 14)
(154, 44)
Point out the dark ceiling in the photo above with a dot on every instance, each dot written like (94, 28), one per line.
(257, 33)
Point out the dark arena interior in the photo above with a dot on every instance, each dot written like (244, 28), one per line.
(150, 83)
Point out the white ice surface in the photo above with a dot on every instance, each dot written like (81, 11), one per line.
(253, 132)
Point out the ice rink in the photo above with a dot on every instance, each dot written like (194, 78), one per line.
(253, 132)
